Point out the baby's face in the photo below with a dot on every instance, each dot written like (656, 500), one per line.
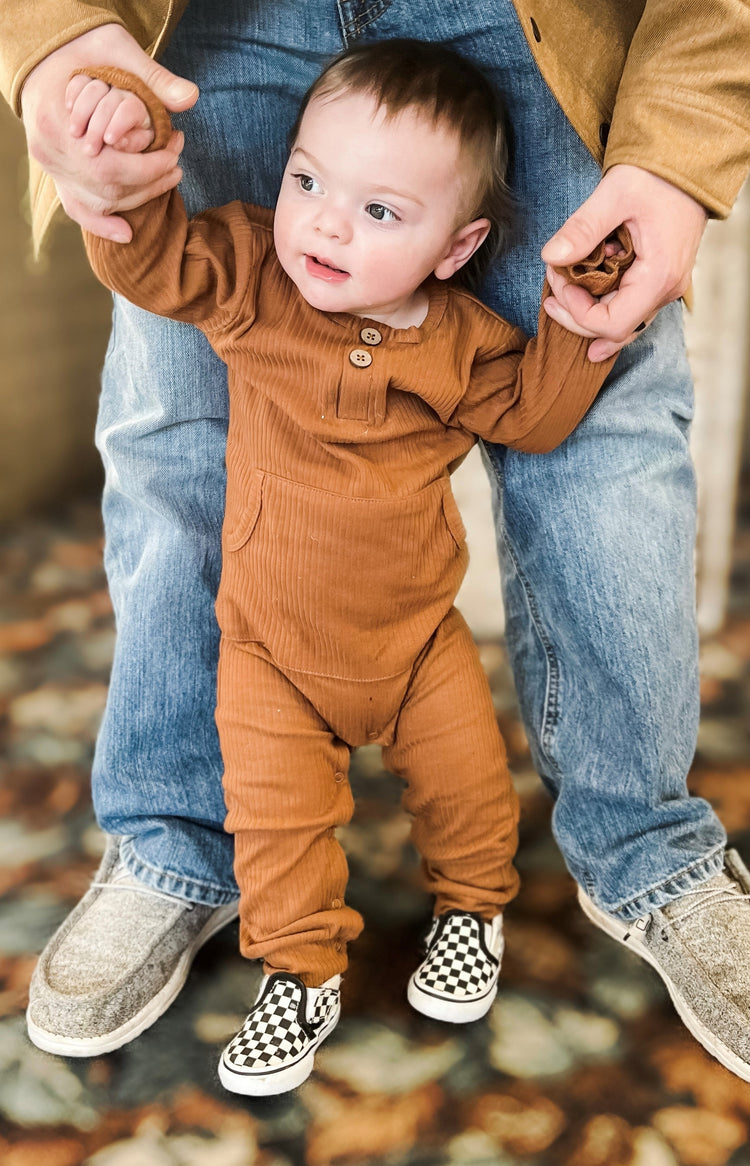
(368, 208)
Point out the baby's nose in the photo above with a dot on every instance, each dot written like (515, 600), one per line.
(334, 223)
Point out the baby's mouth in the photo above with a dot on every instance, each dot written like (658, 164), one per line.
(324, 265)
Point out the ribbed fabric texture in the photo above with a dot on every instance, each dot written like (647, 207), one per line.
(343, 553)
(286, 766)
(343, 547)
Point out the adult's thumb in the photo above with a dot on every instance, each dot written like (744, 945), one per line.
(594, 220)
(176, 92)
(115, 46)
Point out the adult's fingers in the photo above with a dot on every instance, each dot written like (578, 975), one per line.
(601, 348)
(110, 227)
(104, 222)
(640, 294)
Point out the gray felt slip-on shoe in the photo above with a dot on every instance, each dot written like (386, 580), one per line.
(700, 946)
(116, 963)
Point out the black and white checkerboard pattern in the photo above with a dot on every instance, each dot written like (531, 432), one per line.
(324, 1006)
(272, 1035)
(457, 964)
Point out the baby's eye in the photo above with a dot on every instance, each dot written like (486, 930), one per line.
(382, 213)
(307, 183)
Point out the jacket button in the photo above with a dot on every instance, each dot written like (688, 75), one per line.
(370, 336)
(604, 132)
(359, 358)
(535, 30)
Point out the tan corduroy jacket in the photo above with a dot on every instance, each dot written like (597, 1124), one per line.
(662, 84)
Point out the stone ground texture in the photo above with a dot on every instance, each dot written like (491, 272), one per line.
(582, 1061)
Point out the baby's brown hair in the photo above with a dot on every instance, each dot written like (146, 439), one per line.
(449, 91)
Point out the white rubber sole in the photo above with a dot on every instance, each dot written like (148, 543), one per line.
(275, 1081)
(711, 1043)
(451, 1011)
(66, 1046)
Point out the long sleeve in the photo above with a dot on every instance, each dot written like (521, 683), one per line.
(32, 29)
(531, 395)
(683, 104)
(660, 84)
(199, 270)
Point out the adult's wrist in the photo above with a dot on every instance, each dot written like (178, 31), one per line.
(24, 53)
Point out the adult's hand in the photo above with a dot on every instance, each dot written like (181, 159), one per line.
(93, 188)
(666, 226)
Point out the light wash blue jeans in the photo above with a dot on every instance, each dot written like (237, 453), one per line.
(596, 539)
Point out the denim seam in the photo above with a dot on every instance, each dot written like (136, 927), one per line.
(163, 876)
(706, 862)
(352, 27)
(551, 710)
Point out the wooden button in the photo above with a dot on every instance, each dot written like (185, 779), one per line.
(370, 336)
(360, 358)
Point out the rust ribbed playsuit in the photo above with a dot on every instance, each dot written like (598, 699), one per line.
(343, 552)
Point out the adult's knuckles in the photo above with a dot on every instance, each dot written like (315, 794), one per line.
(107, 199)
(615, 331)
(46, 128)
(40, 153)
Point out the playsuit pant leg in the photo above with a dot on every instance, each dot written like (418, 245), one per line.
(286, 788)
(448, 748)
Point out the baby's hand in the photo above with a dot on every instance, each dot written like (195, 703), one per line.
(103, 115)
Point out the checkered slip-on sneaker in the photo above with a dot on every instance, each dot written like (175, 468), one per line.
(457, 980)
(275, 1048)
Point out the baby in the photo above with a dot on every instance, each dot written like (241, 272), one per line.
(360, 373)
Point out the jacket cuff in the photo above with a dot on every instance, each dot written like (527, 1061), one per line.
(685, 138)
(22, 48)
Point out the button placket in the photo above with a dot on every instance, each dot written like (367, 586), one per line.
(355, 391)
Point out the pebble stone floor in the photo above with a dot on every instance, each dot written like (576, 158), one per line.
(582, 1061)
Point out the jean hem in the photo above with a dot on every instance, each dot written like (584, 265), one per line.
(191, 889)
(678, 884)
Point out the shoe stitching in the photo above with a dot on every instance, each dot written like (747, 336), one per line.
(142, 889)
(708, 897)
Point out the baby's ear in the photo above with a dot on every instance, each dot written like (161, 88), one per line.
(463, 243)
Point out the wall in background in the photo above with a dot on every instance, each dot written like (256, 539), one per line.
(54, 320)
